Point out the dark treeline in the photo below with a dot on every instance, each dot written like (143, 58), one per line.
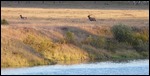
(60, 2)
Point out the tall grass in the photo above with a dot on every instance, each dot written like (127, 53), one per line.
(55, 51)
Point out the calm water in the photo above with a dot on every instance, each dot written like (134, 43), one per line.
(134, 67)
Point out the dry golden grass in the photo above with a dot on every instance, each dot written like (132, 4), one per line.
(17, 54)
(73, 17)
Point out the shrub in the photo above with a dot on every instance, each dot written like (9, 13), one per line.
(140, 42)
(99, 42)
(70, 37)
(122, 33)
(88, 40)
(62, 41)
(145, 54)
(141, 33)
(144, 35)
(140, 46)
(137, 37)
(4, 22)
(144, 30)
(111, 45)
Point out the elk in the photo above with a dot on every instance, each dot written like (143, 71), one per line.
(91, 18)
(23, 17)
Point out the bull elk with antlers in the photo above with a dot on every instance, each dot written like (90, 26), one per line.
(23, 17)
(91, 18)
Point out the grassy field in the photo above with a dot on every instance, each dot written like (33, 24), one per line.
(42, 37)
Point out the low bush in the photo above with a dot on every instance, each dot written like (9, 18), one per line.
(137, 37)
(140, 46)
(122, 33)
(70, 38)
(88, 40)
(99, 42)
(140, 42)
(4, 22)
(111, 45)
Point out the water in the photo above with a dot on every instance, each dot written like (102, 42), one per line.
(134, 67)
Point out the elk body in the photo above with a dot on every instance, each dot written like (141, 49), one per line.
(23, 17)
(91, 18)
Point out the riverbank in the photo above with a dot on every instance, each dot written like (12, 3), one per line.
(27, 46)
(50, 35)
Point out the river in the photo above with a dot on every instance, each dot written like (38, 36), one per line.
(132, 67)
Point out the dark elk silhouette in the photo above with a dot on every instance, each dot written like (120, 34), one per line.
(23, 17)
(91, 18)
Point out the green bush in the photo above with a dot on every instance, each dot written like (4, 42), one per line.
(70, 38)
(122, 33)
(111, 45)
(140, 42)
(4, 22)
(99, 42)
(88, 40)
(62, 41)
(140, 46)
(138, 38)
(145, 54)
(144, 30)
(144, 37)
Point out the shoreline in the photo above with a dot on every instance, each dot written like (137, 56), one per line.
(80, 62)
(87, 62)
